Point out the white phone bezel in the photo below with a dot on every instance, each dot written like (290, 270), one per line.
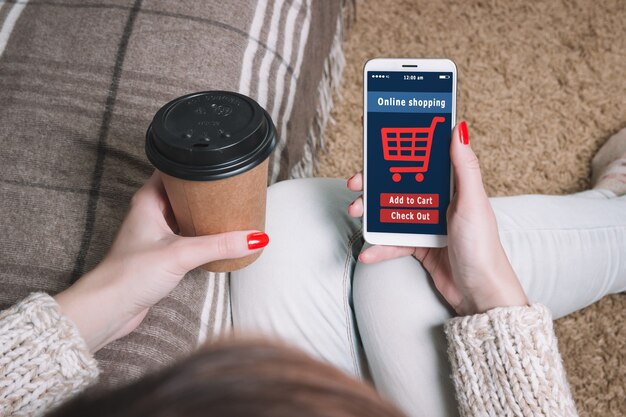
(417, 65)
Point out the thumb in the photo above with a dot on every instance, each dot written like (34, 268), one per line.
(191, 252)
(467, 179)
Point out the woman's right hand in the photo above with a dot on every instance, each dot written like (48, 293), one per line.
(473, 273)
(146, 261)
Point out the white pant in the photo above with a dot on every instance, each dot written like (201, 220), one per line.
(308, 289)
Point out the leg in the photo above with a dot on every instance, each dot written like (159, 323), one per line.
(400, 319)
(299, 289)
(565, 251)
(568, 251)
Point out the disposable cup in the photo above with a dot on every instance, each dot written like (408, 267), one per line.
(212, 150)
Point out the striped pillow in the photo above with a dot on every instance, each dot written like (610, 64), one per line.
(81, 81)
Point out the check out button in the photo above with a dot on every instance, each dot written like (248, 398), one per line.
(409, 216)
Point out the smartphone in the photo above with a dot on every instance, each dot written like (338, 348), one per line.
(409, 112)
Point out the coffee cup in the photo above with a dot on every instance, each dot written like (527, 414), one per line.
(212, 150)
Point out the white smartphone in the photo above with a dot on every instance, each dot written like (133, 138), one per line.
(409, 112)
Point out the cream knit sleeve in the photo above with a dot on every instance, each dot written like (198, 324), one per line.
(506, 362)
(43, 358)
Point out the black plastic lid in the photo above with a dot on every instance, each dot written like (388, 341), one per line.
(209, 135)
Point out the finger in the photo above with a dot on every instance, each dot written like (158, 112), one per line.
(191, 252)
(154, 186)
(420, 253)
(378, 253)
(151, 205)
(467, 177)
(157, 190)
(152, 194)
(163, 202)
(356, 208)
(170, 219)
(355, 182)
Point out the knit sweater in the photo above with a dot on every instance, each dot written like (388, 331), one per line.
(43, 358)
(505, 362)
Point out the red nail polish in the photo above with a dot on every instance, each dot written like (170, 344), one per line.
(463, 135)
(257, 240)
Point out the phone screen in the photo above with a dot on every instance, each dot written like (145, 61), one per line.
(409, 120)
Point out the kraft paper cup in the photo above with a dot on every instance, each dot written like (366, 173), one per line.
(212, 150)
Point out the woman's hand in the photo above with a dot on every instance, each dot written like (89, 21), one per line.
(147, 260)
(473, 273)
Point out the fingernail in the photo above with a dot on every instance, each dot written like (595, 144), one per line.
(257, 240)
(463, 135)
(348, 182)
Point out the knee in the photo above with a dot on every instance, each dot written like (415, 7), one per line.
(309, 194)
(312, 207)
(397, 295)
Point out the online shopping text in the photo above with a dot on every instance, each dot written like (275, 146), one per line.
(408, 102)
(392, 101)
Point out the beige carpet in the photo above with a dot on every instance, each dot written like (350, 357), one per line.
(542, 84)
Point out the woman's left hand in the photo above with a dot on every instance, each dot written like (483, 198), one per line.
(147, 260)
(473, 272)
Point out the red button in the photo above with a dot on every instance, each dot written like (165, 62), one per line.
(409, 200)
(409, 216)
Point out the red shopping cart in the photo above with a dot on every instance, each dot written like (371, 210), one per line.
(409, 144)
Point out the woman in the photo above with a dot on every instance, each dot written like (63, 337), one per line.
(502, 351)
(384, 319)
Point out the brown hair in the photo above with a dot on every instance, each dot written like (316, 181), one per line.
(237, 379)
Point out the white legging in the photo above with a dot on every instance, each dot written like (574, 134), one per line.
(384, 321)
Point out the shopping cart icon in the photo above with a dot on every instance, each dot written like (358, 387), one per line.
(409, 144)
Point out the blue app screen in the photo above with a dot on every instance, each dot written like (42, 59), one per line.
(409, 120)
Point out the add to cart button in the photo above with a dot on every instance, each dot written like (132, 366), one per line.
(409, 216)
(409, 200)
